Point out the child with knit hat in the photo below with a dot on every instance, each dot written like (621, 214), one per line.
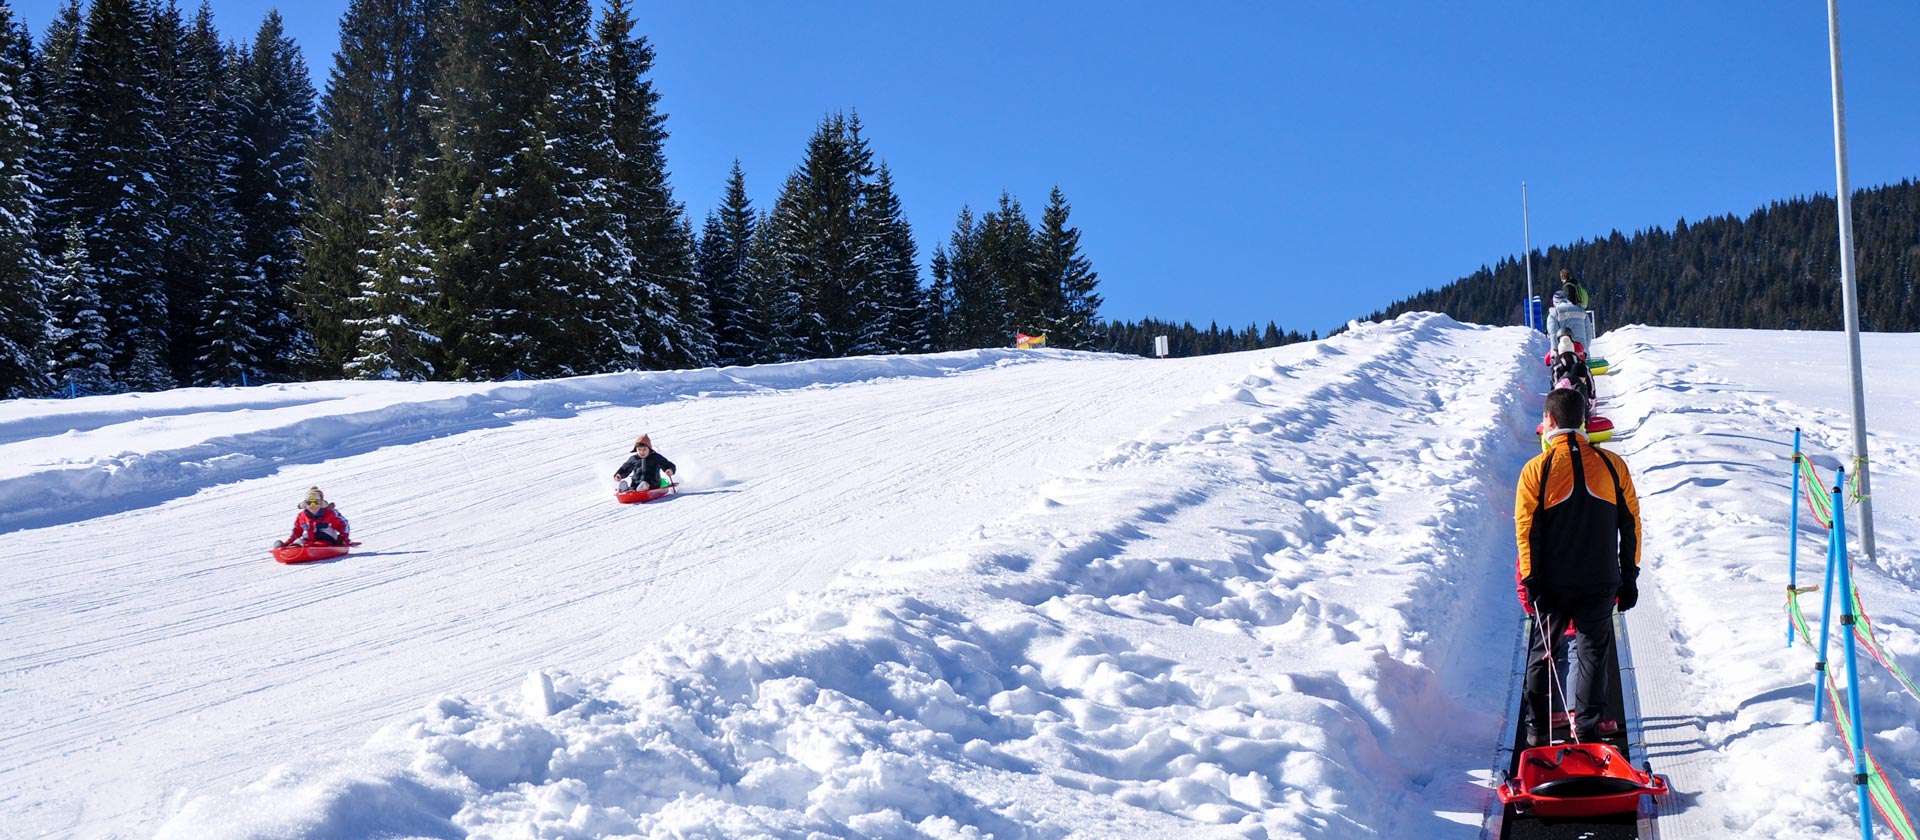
(317, 522)
(645, 467)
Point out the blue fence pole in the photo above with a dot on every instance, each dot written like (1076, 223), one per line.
(1793, 533)
(1826, 616)
(1853, 669)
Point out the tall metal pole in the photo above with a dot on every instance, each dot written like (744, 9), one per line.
(1526, 228)
(1850, 296)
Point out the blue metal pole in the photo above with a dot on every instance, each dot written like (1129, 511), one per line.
(1853, 668)
(1826, 621)
(1793, 533)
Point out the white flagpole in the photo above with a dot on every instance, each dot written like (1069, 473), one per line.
(1526, 228)
(1849, 286)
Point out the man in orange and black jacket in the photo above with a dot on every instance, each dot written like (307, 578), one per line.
(1576, 518)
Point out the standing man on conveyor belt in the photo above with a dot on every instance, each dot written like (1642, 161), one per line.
(1576, 518)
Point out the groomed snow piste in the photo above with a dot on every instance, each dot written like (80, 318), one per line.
(993, 593)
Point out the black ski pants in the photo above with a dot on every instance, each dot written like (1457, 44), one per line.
(1592, 620)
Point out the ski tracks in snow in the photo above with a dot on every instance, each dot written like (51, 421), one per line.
(1160, 641)
(491, 546)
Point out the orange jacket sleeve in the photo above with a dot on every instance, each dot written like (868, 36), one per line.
(1526, 503)
(1629, 517)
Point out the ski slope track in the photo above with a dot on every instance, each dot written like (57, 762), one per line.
(1019, 595)
(492, 544)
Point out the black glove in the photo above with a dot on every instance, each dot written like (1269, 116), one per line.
(1629, 592)
(1540, 602)
(1628, 595)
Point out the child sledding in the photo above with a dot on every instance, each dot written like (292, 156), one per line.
(647, 475)
(319, 532)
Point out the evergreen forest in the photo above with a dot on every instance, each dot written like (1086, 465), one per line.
(1777, 269)
(480, 191)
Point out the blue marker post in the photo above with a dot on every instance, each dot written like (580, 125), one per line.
(1853, 669)
(1826, 617)
(1793, 532)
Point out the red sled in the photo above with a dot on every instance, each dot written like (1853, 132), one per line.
(1578, 780)
(309, 553)
(643, 496)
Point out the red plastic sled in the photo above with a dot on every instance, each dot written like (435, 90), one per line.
(308, 553)
(643, 496)
(1578, 780)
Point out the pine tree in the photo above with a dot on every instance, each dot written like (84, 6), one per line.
(511, 205)
(395, 295)
(901, 324)
(274, 121)
(763, 286)
(691, 300)
(232, 350)
(669, 316)
(184, 286)
(212, 295)
(1063, 269)
(562, 254)
(78, 332)
(107, 179)
(1011, 264)
(52, 82)
(470, 114)
(23, 313)
(857, 323)
(790, 318)
(817, 233)
(721, 265)
(373, 132)
(978, 315)
(940, 303)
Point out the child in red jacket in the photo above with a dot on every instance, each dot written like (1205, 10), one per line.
(317, 522)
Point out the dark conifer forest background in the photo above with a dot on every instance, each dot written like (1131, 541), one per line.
(1776, 269)
(480, 190)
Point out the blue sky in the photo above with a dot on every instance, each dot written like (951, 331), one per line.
(1295, 162)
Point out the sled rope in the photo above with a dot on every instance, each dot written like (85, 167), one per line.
(1878, 790)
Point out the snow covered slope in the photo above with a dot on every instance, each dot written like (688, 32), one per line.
(1026, 595)
(1709, 418)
